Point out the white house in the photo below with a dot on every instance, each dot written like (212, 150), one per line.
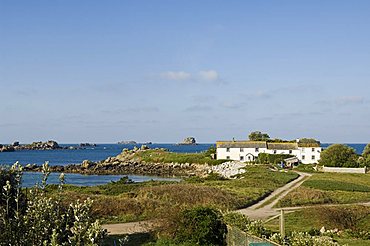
(245, 151)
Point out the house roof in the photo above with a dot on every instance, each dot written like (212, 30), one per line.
(282, 146)
(309, 145)
(264, 144)
(241, 144)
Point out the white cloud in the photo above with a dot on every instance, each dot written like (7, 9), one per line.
(350, 100)
(176, 75)
(210, 75)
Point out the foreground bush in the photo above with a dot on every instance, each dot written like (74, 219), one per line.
(201, 226)
(41, 220)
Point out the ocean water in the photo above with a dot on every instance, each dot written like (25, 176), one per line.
(98, 153)
(359, 147)
(30, 179)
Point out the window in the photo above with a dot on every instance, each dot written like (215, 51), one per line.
(303, 157)
(241, 150)
(290, 151)
(228, 157)
(257, 149)
(227, 149)
(313, 149)
(313, 157)
(242, 158)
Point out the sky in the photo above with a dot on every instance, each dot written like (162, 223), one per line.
(105, 71)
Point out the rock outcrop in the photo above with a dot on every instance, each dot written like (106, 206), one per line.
(4, 148)
(189, 141)
(49, 145)
(229, 169)
(87, 145)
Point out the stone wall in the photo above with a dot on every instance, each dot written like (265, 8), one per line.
(344, 170)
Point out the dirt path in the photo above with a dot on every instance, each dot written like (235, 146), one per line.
(264, 208)
(129, 228)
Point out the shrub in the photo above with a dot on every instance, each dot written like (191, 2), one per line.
(201, 226)
(245, 224)
(339, 155)
(41, 220)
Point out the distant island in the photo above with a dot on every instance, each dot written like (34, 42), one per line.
(188, 141)
(127, 142)
(133, 142)
(48, 145)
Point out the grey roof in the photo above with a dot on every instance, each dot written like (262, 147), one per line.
(282, 146)
(241, 144)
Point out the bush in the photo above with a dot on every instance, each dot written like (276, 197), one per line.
(41, 220)
(201, 226)
(339, 155)
(245, 224)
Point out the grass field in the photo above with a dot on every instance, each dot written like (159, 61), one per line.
(124, 202)
(163, 156)
(341, 217)
(326, 188)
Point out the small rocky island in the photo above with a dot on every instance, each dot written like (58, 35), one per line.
(48, 145)
(127, 142)
(189, 141)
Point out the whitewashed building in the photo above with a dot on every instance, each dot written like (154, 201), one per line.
(246, 151)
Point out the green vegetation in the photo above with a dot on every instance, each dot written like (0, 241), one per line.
(200, 226)
(258, 136)
(352, 222)
(324, 188)
(336, 185)
(339, 155)
(307, 168)
(123, 201)
(36, 219)
(264, 158)
(163, 156)
(309, 142)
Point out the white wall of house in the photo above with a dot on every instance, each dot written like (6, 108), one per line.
(307, 155)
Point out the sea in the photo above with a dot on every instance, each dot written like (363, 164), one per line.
(76, 156)
(100, 152)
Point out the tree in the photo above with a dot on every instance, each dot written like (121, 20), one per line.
(201, 226)
(258, 136)
(339, 155)
(365, 159)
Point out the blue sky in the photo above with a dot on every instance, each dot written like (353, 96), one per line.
(104, 71)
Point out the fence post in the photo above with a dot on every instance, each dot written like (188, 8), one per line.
(282, 223)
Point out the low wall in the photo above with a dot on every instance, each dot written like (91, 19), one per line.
(237, 237)
(344, 170)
